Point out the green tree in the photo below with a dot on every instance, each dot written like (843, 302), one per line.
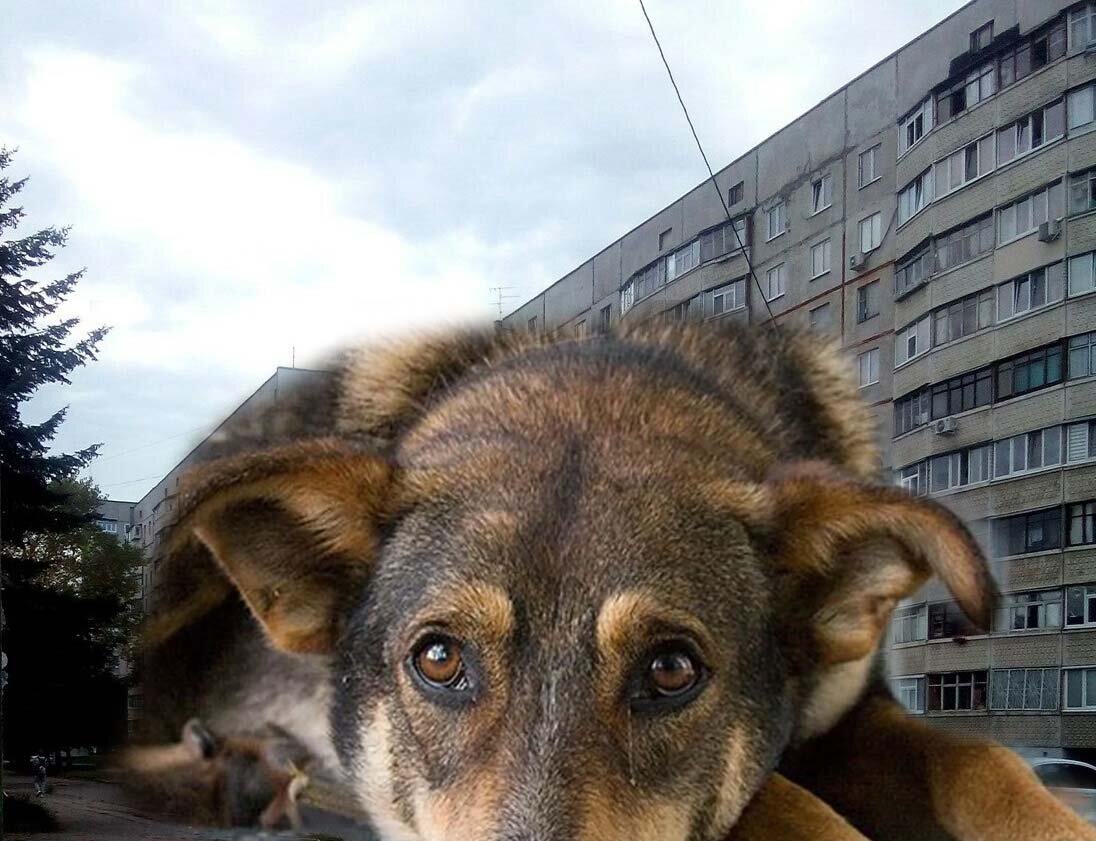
(67, 589)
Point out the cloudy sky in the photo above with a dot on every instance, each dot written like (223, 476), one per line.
(243, 179)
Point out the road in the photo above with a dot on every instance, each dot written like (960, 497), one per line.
(97, 811)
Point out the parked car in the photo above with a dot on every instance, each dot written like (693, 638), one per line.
(1072, 781)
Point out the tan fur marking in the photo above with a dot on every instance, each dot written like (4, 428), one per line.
(606, 818)
(732, 793)
(376, 767)
(838, 689)
(623, 614)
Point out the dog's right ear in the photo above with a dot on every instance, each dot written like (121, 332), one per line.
(294, 529)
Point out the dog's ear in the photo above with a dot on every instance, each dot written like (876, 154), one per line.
(294, 529)
(848, 551)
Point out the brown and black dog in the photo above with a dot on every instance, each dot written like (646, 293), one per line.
(604, 588)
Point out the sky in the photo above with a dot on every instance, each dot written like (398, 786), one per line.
(253, 184)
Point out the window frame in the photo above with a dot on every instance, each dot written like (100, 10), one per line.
(1011, 605)
(919, 692)
(780, 208)
(971, 680)
(875, 224)
(866, 309)
(907, 126)
(1087, 704)
(736, 289)
(1088, 600)
(873, 152)
(921, 188)
(1001, 682)
(827, 250)
(780, 274)
(1028, 123)
(867, 357)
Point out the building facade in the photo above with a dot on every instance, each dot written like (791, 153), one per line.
(938, 214)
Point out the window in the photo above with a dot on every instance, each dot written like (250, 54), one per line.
(735, 194)
(914, 126)
(580, 330)
(605, 318)
(1025, 215)
(964, 244)
(1082, 28)
(957, 691)
(820, 317)
(724, 239)
(1080, 107)
(869, 166)
(683, 260)
(963, 166)
(1032, 55)
(867, 301)
(980, 37)
(871, 232)
(1080, 689)
(966, 316)
(1082, 523)
(679, 312)
(109, 526)
(1081, 606)
(1028, 451)
(915, 478)
(1029, 372)
(961, 393)
(913, 340)
(915, 197)
(664, 239)
(1081, 274)
(1031, 132)
(909, 624)
(910, 692)
(1082, 191)
(774, 280)
(821, 193)
(1024, 689)
(1082, 355)
(1036, 531)
(730, 297)
(1030, 291)
(966, 92)
(947, 620)
(776, 219)
(961, 468)
(913, 272)
(868, 365)
(912, 411)
(533, 324)
(1081, 441)
(820, 259)
(1028, 611)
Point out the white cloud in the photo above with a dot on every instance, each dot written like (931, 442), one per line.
(273, 258)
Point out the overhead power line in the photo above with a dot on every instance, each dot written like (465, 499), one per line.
(711, 174)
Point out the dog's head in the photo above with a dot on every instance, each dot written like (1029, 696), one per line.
(585, 589)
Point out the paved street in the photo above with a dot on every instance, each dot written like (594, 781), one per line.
(97, 811)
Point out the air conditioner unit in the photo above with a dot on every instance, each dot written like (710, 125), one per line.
(857, 261)
(1051, 230)
(945, 426)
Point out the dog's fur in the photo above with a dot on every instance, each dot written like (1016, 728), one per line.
(563, 508)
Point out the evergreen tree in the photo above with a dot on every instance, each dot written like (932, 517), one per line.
(35, 350)
(68, 589)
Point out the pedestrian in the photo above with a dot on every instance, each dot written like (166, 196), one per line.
(39, 764)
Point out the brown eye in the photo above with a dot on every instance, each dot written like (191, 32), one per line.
(673, 673)
(439, 662)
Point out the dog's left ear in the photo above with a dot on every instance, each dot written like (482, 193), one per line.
(295, 529)
(847, 552)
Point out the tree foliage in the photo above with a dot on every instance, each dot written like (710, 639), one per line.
(68, 588)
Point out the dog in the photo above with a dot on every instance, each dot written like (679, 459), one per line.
(625, 586)
(252, 780)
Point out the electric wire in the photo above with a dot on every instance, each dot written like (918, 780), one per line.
(711, 174)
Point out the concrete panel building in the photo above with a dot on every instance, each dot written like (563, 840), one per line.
(938, 214)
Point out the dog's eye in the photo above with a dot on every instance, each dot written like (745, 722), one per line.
(673, 672)
(439, 662)
(668, 678)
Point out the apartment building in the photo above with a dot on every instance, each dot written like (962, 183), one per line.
(938, 214)
(116, 517)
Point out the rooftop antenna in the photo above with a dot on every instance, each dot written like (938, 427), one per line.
(499, 295)
(293, 357)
